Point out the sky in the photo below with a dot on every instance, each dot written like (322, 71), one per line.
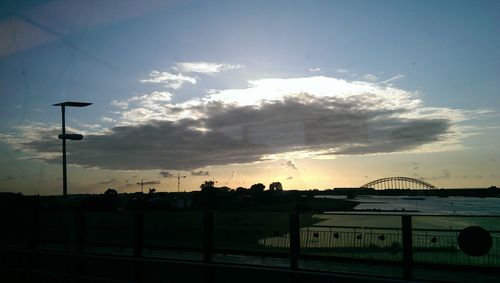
(313, 94)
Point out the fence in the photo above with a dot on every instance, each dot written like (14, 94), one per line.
(293, 241)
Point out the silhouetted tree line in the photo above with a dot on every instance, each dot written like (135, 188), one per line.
(18, 201)
(214, 197)
(255, 188)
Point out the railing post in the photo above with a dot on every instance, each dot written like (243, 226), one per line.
(407, 246)
(294, 231)
(80, 226)
(66, 224)
(80, 230)
(34, 233)
(33, 244)
(138, 243)
(208, 236)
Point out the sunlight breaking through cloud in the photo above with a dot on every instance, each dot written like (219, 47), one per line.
(308, 117)
(169, 80)
(206, 68)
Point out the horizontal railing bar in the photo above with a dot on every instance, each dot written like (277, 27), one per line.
(392, 229)
(146, 246)
(371, 278)
(350, 227)
(475, 268)
(324, 258)
(66, 275)
(283, 255)
(341, 259)
(374, 213)
(174, 248)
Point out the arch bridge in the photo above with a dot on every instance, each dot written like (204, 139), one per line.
(398, 183)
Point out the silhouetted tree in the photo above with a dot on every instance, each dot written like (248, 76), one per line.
(152, 191)
(240, 189)
(207, 185)
(224, 189)
(257, 188)
(276, 187)
(110, 192)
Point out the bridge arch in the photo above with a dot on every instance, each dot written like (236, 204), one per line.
(399, 183)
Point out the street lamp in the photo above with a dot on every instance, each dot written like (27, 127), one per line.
(65, 137)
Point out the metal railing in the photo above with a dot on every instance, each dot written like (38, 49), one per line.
(203, 236)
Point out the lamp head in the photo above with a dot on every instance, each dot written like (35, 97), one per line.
(72, 104)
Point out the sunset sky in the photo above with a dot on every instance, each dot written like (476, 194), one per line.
(314, 94)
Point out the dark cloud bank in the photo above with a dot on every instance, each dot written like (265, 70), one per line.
(233, 134)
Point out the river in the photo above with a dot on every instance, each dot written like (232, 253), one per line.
(427, 205)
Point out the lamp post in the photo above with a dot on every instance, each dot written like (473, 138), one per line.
(65, 137)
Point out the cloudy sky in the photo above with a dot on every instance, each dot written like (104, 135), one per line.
(314, 94)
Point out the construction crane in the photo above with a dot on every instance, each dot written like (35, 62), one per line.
(178, 180)
(142, 183)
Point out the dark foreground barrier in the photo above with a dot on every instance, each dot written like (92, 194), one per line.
(246, 247)
(71, 267)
